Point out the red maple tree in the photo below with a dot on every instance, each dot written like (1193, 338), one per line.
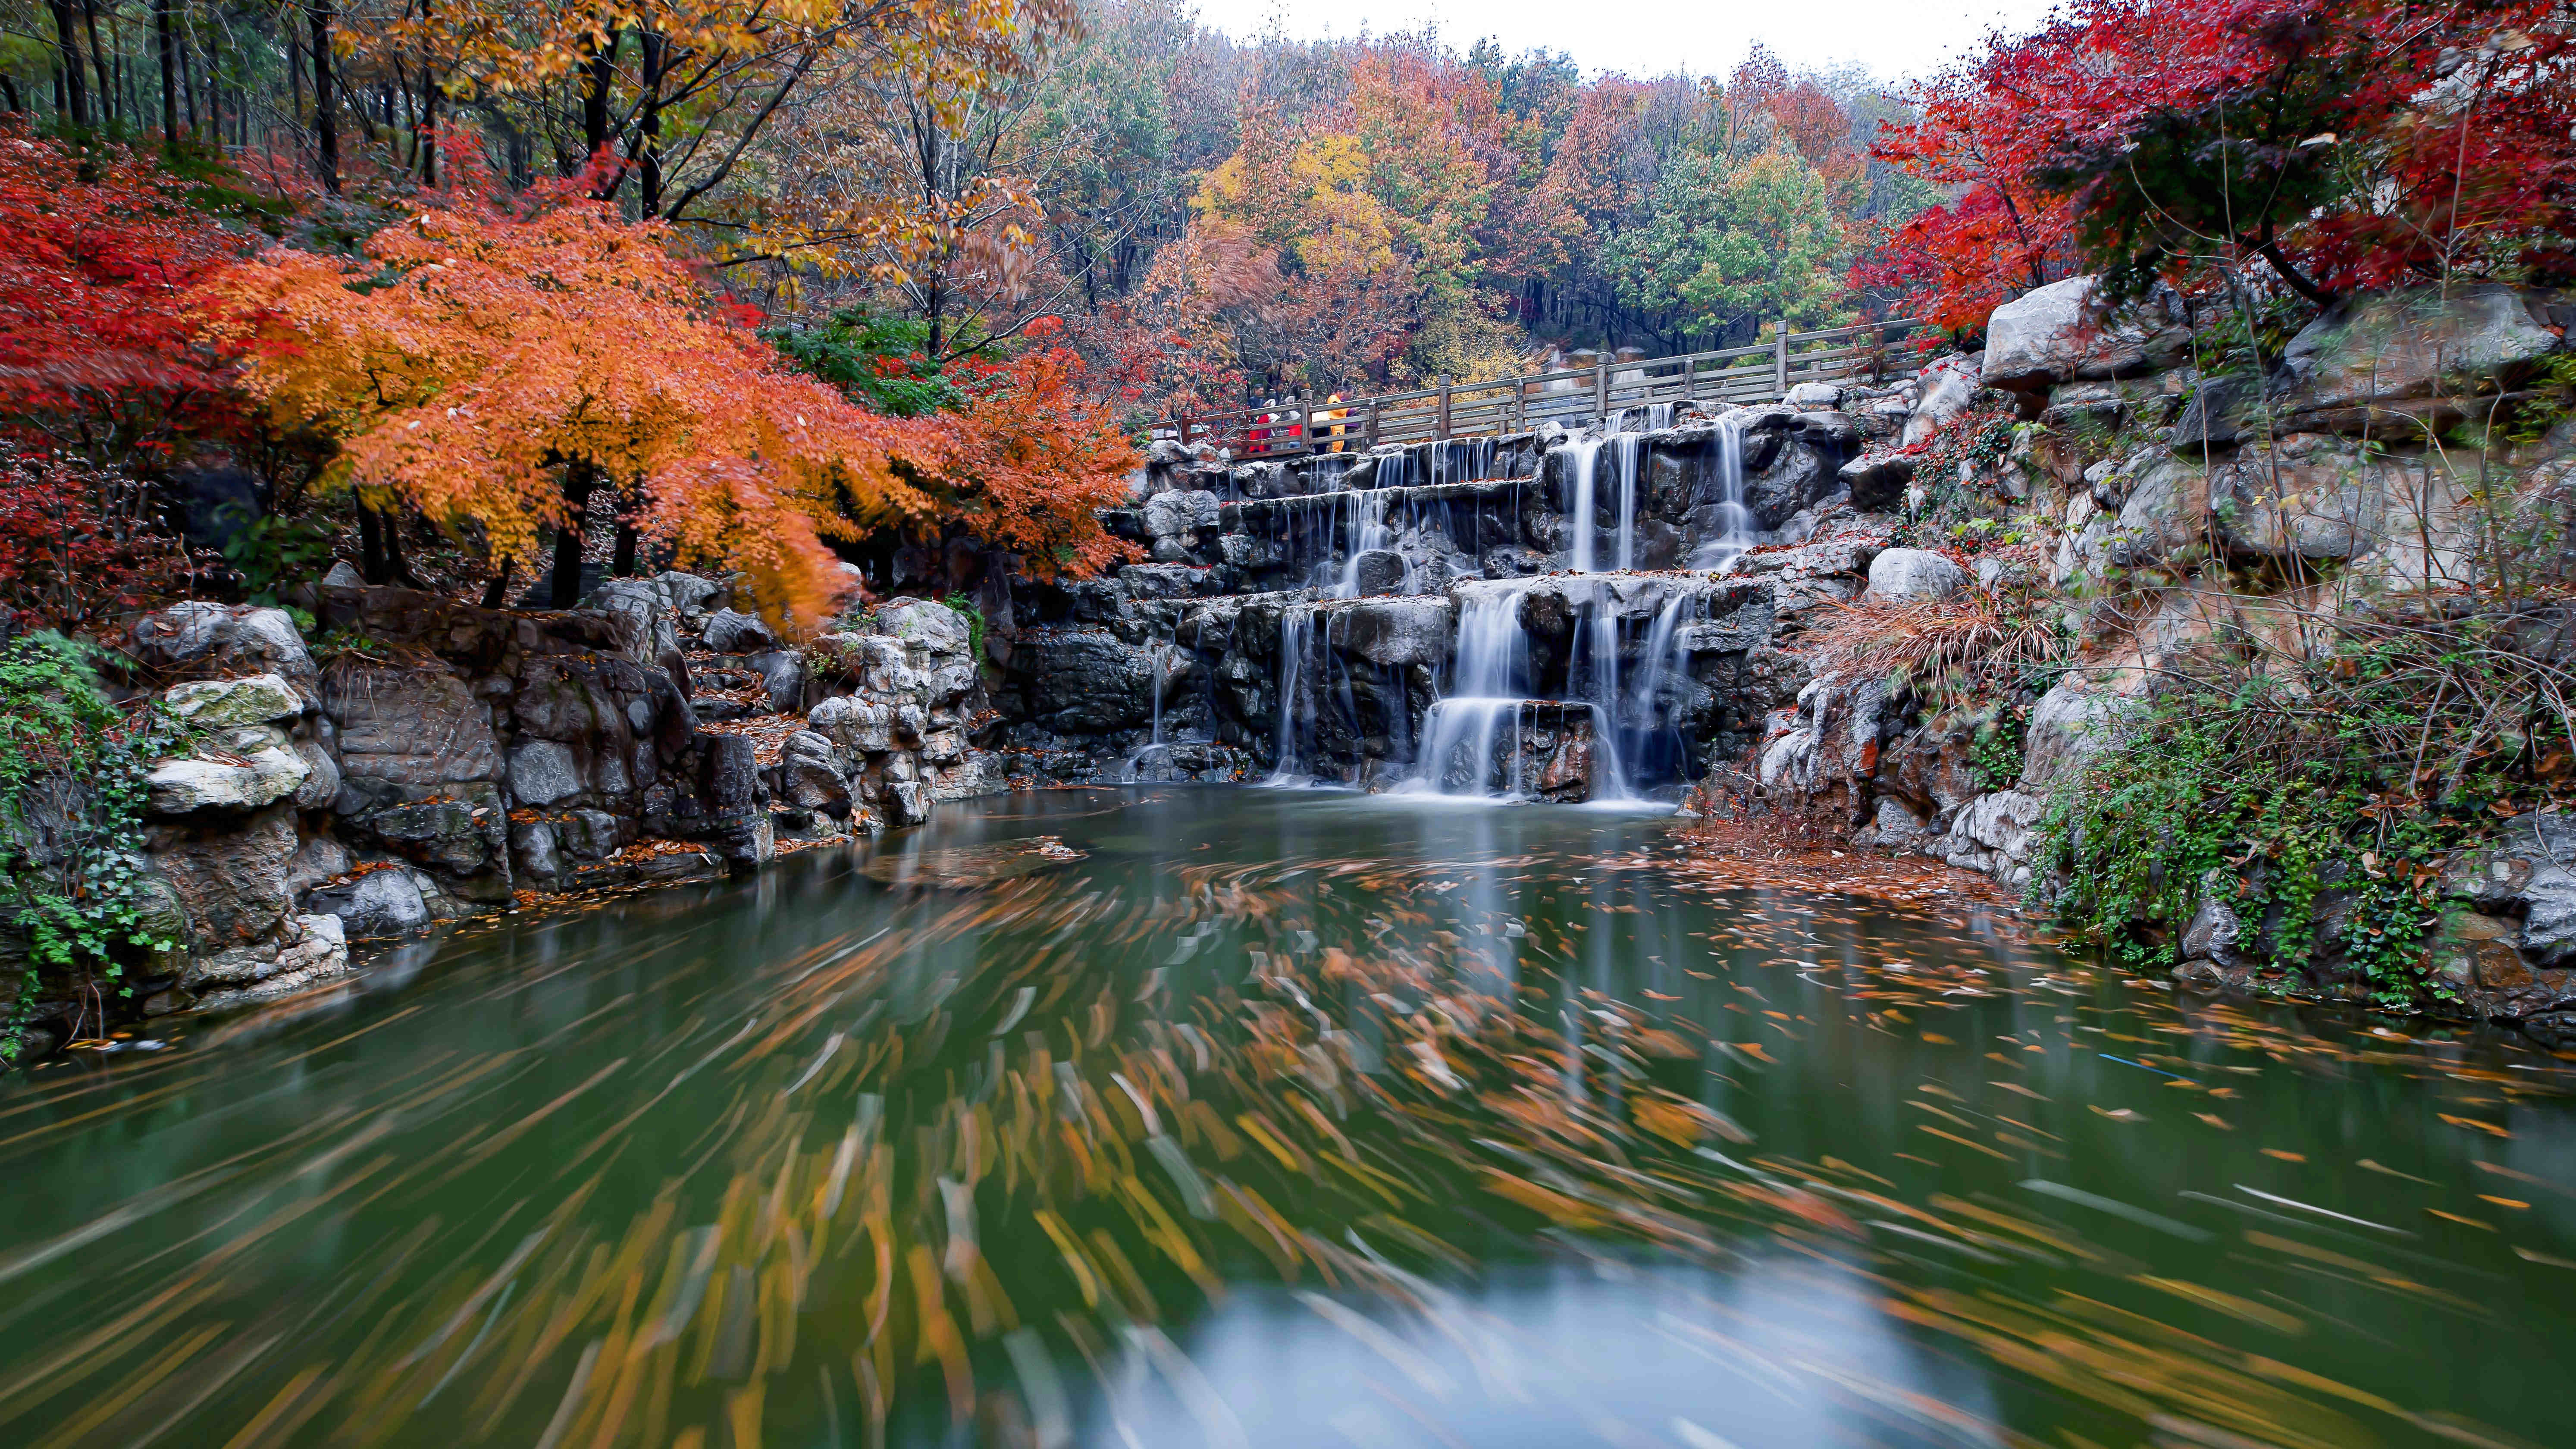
(97, 355)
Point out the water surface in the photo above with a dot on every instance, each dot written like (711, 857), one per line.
(1282, 1118)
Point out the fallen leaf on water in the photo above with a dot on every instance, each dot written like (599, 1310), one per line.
(2384, 1171)
(2515, 1203)
(1937, 1039)
(2284, 1156)
(2214, 1120)
(2456, 1218)
(2472, 1122)
(2122, 1114)
(2529, 1255)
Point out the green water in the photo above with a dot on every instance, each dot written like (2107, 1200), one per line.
(1282, 1118)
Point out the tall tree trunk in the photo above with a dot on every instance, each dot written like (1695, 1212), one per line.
(623, 566)
(168, 44)
(497, 592)
(564, 586)
(429, 114)
(9, 93)
(648, 144)
(371, 546)
(599, 76)
(98, 65)
(326, 124)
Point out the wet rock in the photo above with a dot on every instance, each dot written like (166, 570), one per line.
(543, 772)
(1396, 632)
(380, 903)
(592, 834)
(230, 878)
(533, 856)
(2214, 928)
(1908, 575)
(730, 632)
(1379, 571)
(907, 802)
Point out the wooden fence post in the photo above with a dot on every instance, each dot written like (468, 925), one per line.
(1780, 359)
(1368, 425)
(1601, 390)
(1444, 405)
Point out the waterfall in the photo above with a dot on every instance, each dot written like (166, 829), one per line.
(1155, 655)
(1296, 625)
(1489, 684)
(1583, 552)
(1367, 530)
(1734, 519)
(1601, 637)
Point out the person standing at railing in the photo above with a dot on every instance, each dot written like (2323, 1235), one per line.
(1258, 441)
(1331, 414)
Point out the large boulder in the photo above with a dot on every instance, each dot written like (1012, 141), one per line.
(2059, 333)
(383, 902)
(646, 602)
(810, 774)
(230, 877)
(2308, 496)
(2070, 724)
(1947, 387)
(2529, 872)
(197, 640)
(409, 725)
(1396, 632)
(729, 631)
(1913, 575)
(543, 772)
(231, 703)
(1168, 515)
(933, 628)
(267, 774)
(859, 726)
(2411, 344)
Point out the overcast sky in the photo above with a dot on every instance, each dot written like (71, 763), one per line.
(1650, 37)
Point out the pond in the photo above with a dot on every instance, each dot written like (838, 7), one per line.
(1246, 1117)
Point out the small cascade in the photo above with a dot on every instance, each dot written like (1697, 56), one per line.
(1489, 684)
(1735, 520)
(1158, 655)
(1296, 628)
(1584, 548)
(1365, 530)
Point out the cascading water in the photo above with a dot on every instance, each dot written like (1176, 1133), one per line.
(1489, 685)
(1735, 521)
(1156, 655)
(1296, 626)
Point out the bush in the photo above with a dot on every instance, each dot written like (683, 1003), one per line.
(2322, 792)
(72, 792)
(77, 542)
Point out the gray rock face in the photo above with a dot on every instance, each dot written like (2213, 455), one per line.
(2067, 727)
(2530, 872)
(1911, 575)
(2055, 334)
(1948, 386)
(181, 787)
(691, 596)
(730, 632)
(2214, 928)
(931, 627)
(859, 726)
(907, 803)
(782, 673)
(1396, 632)
(811, 776)
(230, 703)
(230, 877)
(647, 602)
(1379, 571)
(379, 903)
(2409, 344)
(409, 726)
(2167, 511)
(543, 772)
(2308, 496)
(1171, 514)
(195, 639)
(1877, 480)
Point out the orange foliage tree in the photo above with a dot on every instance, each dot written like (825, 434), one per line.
(495, 367)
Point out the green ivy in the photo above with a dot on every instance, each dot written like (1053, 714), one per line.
(73, 785)
(2208, 782)
(273, 551)
(974, 618)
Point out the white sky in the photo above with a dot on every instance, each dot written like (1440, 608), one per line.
(1893, 38)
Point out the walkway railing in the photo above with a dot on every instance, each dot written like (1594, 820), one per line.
(1763, 372)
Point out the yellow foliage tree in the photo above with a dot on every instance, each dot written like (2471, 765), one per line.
(494, 368)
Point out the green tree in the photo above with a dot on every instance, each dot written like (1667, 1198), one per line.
(1729, 246)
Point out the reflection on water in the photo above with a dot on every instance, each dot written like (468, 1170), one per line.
(1280, 1118)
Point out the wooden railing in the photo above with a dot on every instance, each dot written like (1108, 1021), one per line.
(1763, 372)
